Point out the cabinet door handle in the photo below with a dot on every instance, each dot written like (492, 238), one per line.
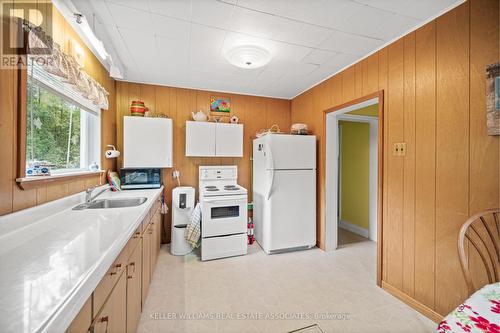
(117, 266)
(105, 319)
(137, 234)
(131, 276)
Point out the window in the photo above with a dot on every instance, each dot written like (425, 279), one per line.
(62, 129)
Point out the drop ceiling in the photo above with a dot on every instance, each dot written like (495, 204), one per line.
(182, 43)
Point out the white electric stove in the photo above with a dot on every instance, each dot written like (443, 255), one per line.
(224, 212)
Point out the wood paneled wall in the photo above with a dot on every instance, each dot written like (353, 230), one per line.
(255, 113)
(12, 198)
(434, 83)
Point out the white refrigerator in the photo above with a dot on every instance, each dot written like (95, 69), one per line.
(284, 192)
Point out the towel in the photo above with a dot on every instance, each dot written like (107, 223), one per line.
(193, 230)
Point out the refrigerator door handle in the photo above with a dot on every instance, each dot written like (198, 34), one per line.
(271, 185)
(271, 169)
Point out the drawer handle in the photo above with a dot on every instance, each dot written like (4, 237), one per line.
(131, 276)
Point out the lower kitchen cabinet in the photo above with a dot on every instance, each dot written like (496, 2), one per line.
(146, 261)
(155, 239)
(134, 289)
(112, 317)
(116, 304)
(83, 319)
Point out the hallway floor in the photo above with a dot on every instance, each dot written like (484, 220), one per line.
(277, 293)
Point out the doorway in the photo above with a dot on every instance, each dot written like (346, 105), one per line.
(335, 217)
(357, 175)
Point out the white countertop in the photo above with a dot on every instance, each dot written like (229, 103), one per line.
(52, 258)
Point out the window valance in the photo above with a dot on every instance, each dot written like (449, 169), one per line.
(47, 54)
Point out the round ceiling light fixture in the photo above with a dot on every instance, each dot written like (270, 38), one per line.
(248, 56)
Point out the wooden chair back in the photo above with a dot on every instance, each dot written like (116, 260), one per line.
(480, 234)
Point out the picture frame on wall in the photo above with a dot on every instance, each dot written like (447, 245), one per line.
(220, 104)
(493, 99)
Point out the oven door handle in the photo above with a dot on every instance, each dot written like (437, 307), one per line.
(218, 202)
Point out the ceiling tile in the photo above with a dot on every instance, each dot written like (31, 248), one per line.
(365, 20)
(119, 46)
(318, 57)
(421, 9)
(142, 47)
(142, 5)
(351, 44)
(291, 68)
(212, 13)
(206, 39)
(132, 19)
(310, 35)
(172, 53)
(183, 42)
(332, 13)
(180, 9)
(262, 24)
(393, 27)
(171, 28)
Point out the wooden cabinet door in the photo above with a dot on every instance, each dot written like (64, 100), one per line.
(155, 239)
(146, 261)
(83, 320)
(134, 289)
(113, 316)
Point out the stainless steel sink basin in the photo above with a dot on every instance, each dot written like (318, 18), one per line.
(112, 203)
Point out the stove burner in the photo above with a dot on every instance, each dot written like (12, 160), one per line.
(211, 188)
(231, 188)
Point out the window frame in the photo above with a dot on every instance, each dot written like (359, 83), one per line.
(90, 136)
(26, 183)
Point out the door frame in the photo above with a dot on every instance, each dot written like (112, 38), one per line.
(330, 174)
(372, 121)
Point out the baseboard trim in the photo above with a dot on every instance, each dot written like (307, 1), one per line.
(354, 229)
(429, 313)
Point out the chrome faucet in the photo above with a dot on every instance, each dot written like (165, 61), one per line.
(88, 192)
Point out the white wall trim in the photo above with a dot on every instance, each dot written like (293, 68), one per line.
(354, 228)
(332, 168)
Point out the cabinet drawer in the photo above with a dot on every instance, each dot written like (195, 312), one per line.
(132, 243)
(107, 283)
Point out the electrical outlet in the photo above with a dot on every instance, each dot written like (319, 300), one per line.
(175, 174)
(399, 149)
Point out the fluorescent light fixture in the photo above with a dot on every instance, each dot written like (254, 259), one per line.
(91, 37)
(115, 72)
(248, 56)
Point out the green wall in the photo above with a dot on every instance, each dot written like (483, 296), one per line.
(370, 110)
(355, 173)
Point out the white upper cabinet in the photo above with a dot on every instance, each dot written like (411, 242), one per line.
(229, 140)
(147, 142)
(206, 139)
(200, 138)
